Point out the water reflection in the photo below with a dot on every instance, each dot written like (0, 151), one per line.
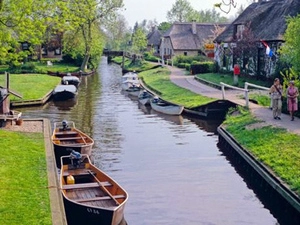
(171, 166)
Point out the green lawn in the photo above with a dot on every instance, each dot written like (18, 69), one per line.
(277, 148)
(24, 194)
(31, 86)
(158, 80)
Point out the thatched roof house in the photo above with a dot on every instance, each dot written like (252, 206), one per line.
(154, 40)
(266, 19)
(187, 38)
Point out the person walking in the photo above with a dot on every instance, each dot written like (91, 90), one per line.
(276, 95)
(292, 99)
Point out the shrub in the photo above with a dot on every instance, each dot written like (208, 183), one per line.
(202, 67)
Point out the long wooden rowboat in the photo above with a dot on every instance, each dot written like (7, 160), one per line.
(67, 137)
(162, 106)
(90, 196)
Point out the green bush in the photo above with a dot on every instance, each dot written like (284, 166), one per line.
(202, 67)
(149, 57)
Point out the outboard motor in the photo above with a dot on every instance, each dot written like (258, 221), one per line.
(75, 158)
(64, 124)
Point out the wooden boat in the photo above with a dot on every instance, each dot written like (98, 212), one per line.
(145, 97)
(90, 196)
(63, 92)
(165, 107)
(74, 80)
(66, 136)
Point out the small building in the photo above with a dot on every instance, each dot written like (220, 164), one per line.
(188, 38)
(264, 24)
(154, 41)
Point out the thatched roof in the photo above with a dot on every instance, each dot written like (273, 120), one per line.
(267, 20)
(182, 37)
(154, 37)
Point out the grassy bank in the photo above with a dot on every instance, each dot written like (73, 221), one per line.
(158, 80)
(24, 195)
(275, 147)
(31, 86)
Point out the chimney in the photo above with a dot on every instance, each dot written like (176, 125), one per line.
(194, 27)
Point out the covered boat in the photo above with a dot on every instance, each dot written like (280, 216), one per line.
(69, 79)
(90, 196)
(63, 92)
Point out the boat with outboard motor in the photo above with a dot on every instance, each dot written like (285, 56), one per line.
(165, 107)
(90, 196)
(66, 136)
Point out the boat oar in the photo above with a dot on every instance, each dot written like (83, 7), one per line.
(103, 188)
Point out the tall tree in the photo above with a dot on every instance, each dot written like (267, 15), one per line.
(206, 16)
(179, 11)
(290, 50)
(87, 16)
(139, 41)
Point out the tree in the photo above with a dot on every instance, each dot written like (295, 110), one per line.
(22, 21)
(139, 41)
(118, 34)
(180, 11)
(290, 50)
(87, 17)
(206, 16)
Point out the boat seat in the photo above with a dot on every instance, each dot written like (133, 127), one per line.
(100, 198)
(85, 185)
(66, 132)
(82, 173)
(68, 138)
(65, 129)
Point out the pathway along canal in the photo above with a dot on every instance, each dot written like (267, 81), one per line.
(171, 166)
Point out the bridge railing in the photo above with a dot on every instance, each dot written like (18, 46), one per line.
(245, 90)
(223, 85)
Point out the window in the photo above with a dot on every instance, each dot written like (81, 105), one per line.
(185, 53)
(239, 31)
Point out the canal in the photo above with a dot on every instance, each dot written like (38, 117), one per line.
(171, 166)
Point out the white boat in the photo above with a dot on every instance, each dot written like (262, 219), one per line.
(145, 97)
(69, 79)
(162, 106)
(63, 92)
(130, 79)
(134, 90)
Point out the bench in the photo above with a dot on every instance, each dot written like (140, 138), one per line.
(85, 185)
(68, 138)
(100, 198)
(82, 173)
(66, 132)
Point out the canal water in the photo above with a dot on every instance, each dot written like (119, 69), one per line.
(171, 166)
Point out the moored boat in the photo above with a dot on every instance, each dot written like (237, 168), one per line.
(145, 97)
(63, 92)
(165, 107)
(134, 90)
(66, 136)
(69, 79)
(90, 196)
(130, 79)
